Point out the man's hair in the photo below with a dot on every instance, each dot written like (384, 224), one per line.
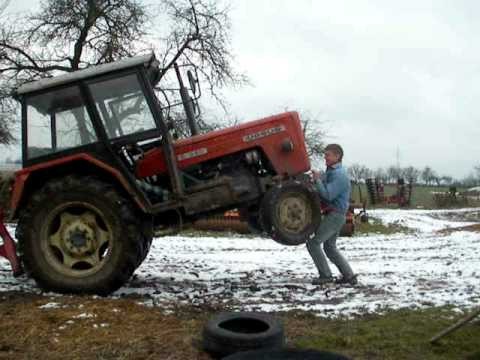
(335, 148)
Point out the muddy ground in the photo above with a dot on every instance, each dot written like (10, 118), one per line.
(431, 271)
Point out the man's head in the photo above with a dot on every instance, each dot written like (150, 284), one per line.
(333, 154)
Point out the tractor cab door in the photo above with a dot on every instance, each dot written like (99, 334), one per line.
(133, 122)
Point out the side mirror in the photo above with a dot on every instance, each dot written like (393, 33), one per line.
(192, 81)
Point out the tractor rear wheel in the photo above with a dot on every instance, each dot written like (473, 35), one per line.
(290, 213)
(79, 235)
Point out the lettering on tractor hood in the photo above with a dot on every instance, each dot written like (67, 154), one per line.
(192, 154)
(263, 133)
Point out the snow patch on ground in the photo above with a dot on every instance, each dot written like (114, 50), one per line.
(419, 269)
(51, 305)
(84, 316)
(425, 221)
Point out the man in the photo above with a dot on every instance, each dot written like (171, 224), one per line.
(334, 189)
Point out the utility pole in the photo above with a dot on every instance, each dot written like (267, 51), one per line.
(398, 157)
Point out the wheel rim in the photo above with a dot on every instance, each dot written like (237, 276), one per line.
(294, 212)
(76, 239)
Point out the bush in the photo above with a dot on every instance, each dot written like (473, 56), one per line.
(449, 200)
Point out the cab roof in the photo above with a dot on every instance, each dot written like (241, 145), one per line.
(148, 61)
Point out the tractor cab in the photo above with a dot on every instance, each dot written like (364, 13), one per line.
(109, 111)
(73, 112)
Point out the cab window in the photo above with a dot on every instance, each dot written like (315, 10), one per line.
(56, 121)
(122, 106)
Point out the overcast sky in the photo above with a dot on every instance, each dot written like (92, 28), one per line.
(383, 77)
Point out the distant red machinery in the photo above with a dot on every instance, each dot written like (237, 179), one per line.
(376, 192)
(233, 221)
(229, 221)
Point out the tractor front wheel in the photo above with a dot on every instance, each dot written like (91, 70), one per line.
(79, 235)
(290, 213)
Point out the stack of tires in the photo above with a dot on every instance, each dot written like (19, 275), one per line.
(371, 191)
(253, 336)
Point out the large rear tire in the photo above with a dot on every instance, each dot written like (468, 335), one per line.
(80, 235)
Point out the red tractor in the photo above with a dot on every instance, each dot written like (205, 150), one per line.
(101, 170)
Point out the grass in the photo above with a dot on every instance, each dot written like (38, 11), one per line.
(195, 233)
(375, 226)
(421, 196)
(133, 331)
(402, 334)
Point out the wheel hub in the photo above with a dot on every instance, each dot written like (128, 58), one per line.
(78, 238)
(295, 213)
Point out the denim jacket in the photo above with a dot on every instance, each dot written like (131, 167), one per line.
(334, 188)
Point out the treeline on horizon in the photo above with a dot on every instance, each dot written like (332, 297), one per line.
(426, 176)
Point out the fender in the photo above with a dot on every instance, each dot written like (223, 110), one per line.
(22, 176)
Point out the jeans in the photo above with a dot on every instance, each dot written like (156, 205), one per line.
(327, 234)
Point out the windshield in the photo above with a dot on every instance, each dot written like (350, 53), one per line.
(122, 106)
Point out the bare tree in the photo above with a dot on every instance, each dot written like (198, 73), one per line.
(314, 135)
(380, 174)
(366, 173)
(446, 180)
(428, 175)
(411, 174)
(65, 36)
(200, 38)
(359, 172)
(354, 171)
(393, 173)
(469, 181)
(7, 106)
(7, 116)
(176, 120)
(477, 171)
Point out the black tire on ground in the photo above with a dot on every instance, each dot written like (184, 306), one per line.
(290, 213)
(229, 333)
(80, 235)
(286, 355)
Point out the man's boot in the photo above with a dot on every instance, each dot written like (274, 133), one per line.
(352, 280)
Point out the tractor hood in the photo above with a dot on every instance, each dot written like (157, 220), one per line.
(280, 139)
